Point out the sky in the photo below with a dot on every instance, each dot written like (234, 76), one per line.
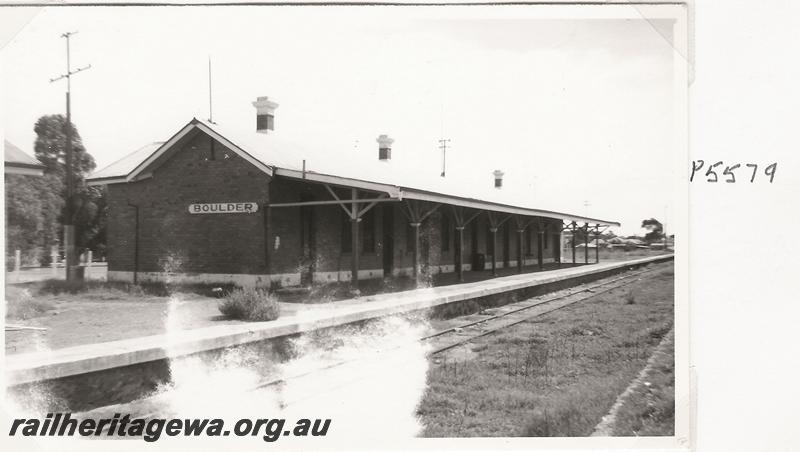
(575, 111)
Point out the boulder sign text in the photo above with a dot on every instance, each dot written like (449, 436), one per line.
(224, 207)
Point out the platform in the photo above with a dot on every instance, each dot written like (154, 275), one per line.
(50, 365)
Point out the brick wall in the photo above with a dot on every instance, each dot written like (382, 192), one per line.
(172, 239)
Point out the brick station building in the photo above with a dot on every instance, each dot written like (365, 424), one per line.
(213, 205)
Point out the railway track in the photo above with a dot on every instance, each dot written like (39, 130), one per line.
(545, 306)
(565, 300)
(455, 336)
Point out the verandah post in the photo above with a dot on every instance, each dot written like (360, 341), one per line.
(520, 257)
(539, 246)
(574, 231)
(415, 227)
(494, 250)
(597, 244)
(459, 252)
(586, 242)
(355, 248)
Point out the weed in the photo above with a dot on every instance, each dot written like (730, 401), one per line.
(250, 304)
(630, 298)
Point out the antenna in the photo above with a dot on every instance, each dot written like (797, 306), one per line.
(443, 146)
(69, 213)
(210, 105)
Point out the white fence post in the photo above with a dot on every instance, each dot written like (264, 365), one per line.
(17, 264)
(54, 260)
(88, 263)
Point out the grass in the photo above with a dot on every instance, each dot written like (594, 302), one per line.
(555, 376)
(250, 304)
(650, 408)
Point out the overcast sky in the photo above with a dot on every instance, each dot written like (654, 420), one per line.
(572, 110)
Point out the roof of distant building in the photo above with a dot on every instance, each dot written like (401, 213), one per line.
(18, 162)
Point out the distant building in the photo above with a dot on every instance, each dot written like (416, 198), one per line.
(18, 162)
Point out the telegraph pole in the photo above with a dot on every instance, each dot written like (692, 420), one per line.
(443, 147)
(69, 214)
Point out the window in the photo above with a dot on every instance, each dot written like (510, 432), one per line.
(368, 231)
(347, 237)
(445, 232)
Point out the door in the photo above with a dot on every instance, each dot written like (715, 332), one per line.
(387, 225)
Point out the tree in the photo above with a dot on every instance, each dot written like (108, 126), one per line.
(89, 211)
(36, 205)
(33, 206)
(50, 150)
(655, 230)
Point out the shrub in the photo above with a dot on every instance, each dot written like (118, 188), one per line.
(250, 304)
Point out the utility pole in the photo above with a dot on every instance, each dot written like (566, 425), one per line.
(69, 215)
(443, 147)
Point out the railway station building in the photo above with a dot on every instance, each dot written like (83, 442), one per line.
(218, 205)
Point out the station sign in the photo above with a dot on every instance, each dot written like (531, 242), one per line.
(224, 207)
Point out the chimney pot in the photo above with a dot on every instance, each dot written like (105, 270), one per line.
(384, 148)
(265, 114)
(498, 178)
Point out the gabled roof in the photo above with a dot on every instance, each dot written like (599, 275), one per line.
(18, 162)
(278, 157)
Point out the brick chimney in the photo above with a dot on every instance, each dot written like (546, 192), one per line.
(384, 148)
(498, 179)
(265, 114)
